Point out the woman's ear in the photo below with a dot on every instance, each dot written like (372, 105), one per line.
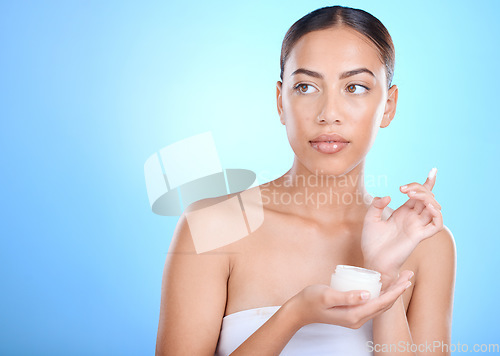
(390, 106)
(279, 101)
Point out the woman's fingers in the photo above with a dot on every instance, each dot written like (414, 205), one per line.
(405, 275)
(410, 189)
(430, 214)
(426, 216)
(429, 183)
(351, 309)
(419, 199)
(425, 198)
(431, 179)
(379, 304)
(417, 187)
(376, 208)
(435, 225)
(396, 286)
(431, 220)
(353, 297)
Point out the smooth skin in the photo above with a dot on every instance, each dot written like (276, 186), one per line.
(288, 261)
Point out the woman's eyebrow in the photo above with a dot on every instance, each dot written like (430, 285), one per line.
(343, 75)
(308, 72)
(356, 71)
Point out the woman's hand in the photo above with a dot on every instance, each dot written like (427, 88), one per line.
(319, 303)
(387, 244)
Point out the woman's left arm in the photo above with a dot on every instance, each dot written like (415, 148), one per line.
(430, 310)
(415, 228)
(425, 328)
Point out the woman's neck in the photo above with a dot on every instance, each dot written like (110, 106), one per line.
(325, 197)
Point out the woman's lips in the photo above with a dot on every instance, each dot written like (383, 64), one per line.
(328, 147)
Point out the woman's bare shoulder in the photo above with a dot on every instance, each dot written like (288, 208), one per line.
(439, 248)
(219, 221)
(225, 200)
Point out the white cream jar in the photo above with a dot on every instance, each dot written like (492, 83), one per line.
(348, 278)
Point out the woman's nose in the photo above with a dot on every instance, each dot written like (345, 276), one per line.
(329, 113)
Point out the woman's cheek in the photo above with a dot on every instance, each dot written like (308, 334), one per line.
(301, 108)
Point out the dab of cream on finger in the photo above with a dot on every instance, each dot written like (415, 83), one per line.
(432, 173)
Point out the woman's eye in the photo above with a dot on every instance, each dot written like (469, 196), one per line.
(352, 89)
(305, 88)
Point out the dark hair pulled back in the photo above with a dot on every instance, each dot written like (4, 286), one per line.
(332, 16)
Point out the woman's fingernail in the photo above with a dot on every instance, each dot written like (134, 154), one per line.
(432, 173)
(411, 275)
(412, 192)
(431, 206)
(403, 187)
(408, 285)
(365, 295)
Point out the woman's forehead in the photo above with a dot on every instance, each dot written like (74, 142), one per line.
(334, 50)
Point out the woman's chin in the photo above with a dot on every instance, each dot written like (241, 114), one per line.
(331, 172)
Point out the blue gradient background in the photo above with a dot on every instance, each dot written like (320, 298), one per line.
(90, 89)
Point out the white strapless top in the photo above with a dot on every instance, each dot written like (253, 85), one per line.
(312, 339)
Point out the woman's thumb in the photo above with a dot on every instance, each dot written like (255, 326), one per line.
(377, 208)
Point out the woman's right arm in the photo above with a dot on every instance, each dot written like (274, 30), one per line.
(193, 297)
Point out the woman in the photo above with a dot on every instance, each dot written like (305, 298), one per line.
(268, 293)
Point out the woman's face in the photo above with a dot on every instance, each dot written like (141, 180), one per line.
(318, 96)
